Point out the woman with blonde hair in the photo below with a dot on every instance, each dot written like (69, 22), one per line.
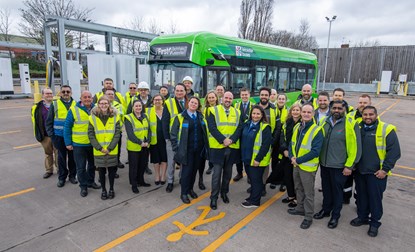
(293, 118)
(104, 132)
(211, 100)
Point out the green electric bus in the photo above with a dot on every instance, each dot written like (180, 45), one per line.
(212, 59)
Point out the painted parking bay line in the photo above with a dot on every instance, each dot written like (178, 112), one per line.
(17, 193)
(150, 224)
(405, 167)
(389, 108)
(26, 146)
(402, 176)
(10, 132)
(233, 230)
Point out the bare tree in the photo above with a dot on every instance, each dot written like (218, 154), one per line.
(5, 24)
(34, 15)
(255, 21)
(367, 43)
(301, 40)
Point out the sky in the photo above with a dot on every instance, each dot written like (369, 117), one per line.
(388, 22)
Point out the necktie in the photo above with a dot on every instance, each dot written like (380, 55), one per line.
(244, 108)
(227, 112)
(182, 104)
(194, 117)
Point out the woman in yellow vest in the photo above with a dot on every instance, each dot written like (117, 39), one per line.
(256, 152)
(293, 118)
(138, 141)
(211, 100)
(158, 153)
(104, 132)
(190, 143)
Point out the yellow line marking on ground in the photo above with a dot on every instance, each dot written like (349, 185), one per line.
(405, 167)
(16, 107)
(152, 223)
(10, 132)
(17, 193)
(402, 176)
(377, 104)
(201, 220)
(26, 146)
(19, 116)
(233, 230)
(390, 107)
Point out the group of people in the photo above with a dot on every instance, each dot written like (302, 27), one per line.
(348, 145)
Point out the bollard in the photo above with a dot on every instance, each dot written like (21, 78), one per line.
(405, 89)
(378, 90)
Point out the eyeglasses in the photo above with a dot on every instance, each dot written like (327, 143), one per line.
(65, 91)
(133, 88)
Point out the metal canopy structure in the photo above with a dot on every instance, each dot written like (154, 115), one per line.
(107, 31)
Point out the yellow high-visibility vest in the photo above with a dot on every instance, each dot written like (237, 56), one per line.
(152, 117)
(382, 131)
(60, 114)
(80, 126)
(305, 147)
(104, 133)
(171, 106)
(351, 141)
(225, 124)
(140, 130)
(257, 145)
(283, 114)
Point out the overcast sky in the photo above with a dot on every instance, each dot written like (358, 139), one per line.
(389, 22)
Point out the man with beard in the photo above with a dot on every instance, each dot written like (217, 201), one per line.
(305, 96)
(323, 111)
(338, 95)
(340, 152)
(364, 100)
(277, 175)
(380, 151)
(224, 132)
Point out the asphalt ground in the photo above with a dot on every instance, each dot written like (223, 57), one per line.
(36, 215)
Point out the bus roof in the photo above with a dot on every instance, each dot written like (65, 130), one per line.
(210, 43)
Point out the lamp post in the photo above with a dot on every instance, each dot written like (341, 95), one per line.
(327, 51)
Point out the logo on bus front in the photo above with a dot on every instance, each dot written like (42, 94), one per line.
(241, 51)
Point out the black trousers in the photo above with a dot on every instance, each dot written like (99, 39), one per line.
(257, 184)
(332, 183)
(111, 176)
(348, 187)
(240, 168)
(188, 171)
(138, 161)
(201, 169)
(66, 162)
(369, 197)
(285, 163)
(277, 174)
(221, 176)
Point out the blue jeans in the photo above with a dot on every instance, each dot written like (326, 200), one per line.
(85, 169)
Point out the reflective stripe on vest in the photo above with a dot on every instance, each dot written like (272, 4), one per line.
(80, 126)
(382, 131)
(60, 114)
(257, 146)
(104, 133)
(305, 147)
(225, 124)
(171, 105)
(140, 130)
(152, 117)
